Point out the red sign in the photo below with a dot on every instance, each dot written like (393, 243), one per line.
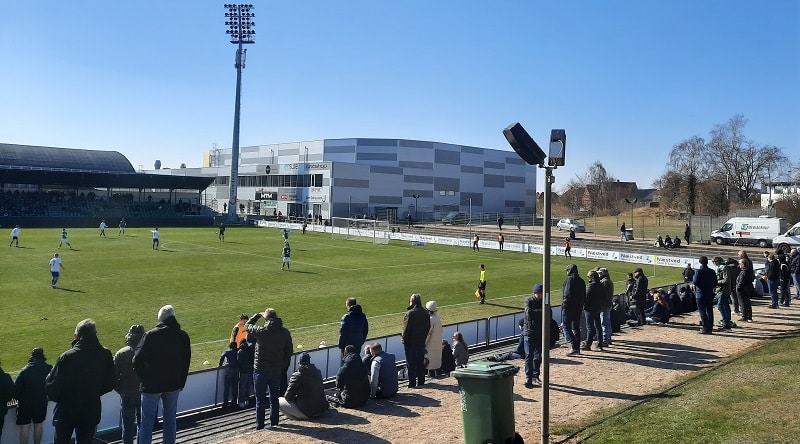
(284, 197)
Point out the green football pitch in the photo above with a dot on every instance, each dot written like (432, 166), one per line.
(121, 280)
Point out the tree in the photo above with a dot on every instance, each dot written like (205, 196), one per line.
(741, 163)
(689, 158)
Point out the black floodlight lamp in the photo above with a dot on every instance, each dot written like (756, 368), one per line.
(524, 145)
(558, 148)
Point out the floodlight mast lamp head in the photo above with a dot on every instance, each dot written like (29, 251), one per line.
(240, 24)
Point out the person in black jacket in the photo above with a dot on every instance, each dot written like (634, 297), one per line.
(416, 324)
(571, 306)
(794, 270)
(354, 327)
(595, 292)
(246, 358)
(744, 288)
(229, 361)
(704, 282)
(162, 363)
(128, 384)
(6, 394)
(532, 337)
(31, 396)
(305, 396)
(79, 378)
(352, 381)
(640, 294)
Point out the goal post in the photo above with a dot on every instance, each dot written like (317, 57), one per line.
(363, 230)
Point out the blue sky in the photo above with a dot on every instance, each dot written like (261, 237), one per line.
(626, 79)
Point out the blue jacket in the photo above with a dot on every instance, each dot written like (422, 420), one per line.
(354, 328)
(705, 280)
(383, 375)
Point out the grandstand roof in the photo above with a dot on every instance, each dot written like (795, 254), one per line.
(25, 164)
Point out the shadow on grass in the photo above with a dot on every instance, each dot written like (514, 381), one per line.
(612, 395)
(69, 290)
(512, 307)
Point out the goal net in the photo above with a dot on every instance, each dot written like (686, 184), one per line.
(364, 230)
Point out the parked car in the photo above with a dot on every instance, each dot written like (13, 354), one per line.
(455, 218)
(567, 223)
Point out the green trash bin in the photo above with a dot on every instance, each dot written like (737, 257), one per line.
(487, 401)
(629, 233)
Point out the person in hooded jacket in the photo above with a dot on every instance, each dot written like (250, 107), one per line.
(640, 294)
(605, 307)
(162, 363)
(416, 325)
(704, 282)
(352, 381)
(305, 396)
(595, 292)
(31, 396)
(572, 299)
(80, 376)
(354, 327)
(246, 358)
(532, 337)
(130, 396)
(272, 358)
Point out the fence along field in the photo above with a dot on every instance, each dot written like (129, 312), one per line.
(121, 280)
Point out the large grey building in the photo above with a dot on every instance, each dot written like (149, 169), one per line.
(376, 177)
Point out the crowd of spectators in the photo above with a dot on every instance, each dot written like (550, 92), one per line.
(58, 203)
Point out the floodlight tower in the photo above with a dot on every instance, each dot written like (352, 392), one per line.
(240, 24)
(529, 151)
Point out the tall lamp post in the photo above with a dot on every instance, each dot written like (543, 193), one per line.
(238, 18)
(529, 151)
(636, 199)
(416, 201)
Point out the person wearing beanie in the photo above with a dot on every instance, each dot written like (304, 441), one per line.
(572, 298)
(532, 337)
(434, 340)
(128, 384)
(31, 396)
(162, 364)
(305, 396)
(416, 325)
(703, 284)
(272, 358)
(80, 376)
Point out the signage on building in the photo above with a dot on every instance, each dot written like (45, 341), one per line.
(264, 195)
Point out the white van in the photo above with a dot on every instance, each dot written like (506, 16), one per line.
(788, 240)
(749, 231)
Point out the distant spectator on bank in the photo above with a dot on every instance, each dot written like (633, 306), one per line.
(382, 373)
(230, 391)
(80, 376)
(128, 382)
(246, 359)
(676, 242)
(7, 393)
(433, 340)
(162, 363)
(272, 358)
(31, 396)
(687, 234)
(352, 382)
(668, 242)
(354, 327)
(623, 232)
(305, 396)
(460, 349)
(416, 324)
(239, 332)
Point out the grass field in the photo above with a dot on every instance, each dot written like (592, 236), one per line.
(752, 399)
(119, 281)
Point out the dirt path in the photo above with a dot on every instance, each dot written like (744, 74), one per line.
(640, 362)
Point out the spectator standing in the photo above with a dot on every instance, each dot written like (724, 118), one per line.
(605, 307)
(724, 286)
(354, 327)
(272, 357)
(687, 234)
(246, 357)
(352, 381)
(305, 395)
(573, 295)
(128, 384)
(460, 349)
(162, 364)
(794, 269)
(383, 373)
(408, 219)
(567, 247)
(623, 232)
(773, 269)
(31, 396)
(156, 238)
(688, 273)
(7, 392)
(475, 240)
(532, 337)
(434, 340)
(14, 236)
(595, 292)
(518, 223)
(230, 391)
(55, 269)
(640, 294)
(704, 282)
(500, 223)
(103, 228)
(416, 324)
(239, 332)
(785, 279)
(64, 239)
(80, 376)
(744, 288)
(482, 284)
(500, 240)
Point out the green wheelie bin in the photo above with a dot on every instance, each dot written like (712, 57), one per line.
(487, 401)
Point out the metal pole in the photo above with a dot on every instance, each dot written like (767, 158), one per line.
(235, 145)
(470, 218)
(548, 184)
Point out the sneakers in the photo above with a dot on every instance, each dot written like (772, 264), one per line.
(587, 347)
(529, 384)
(537, 382)
(573, 352)
(492, 358)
